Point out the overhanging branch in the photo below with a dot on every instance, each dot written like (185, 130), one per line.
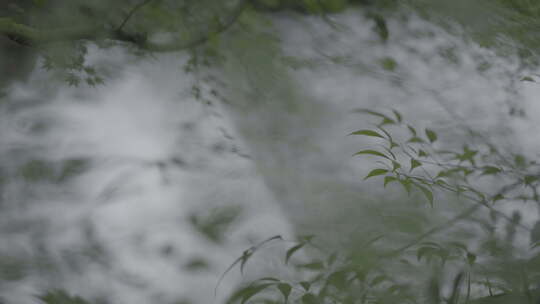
(30, 36)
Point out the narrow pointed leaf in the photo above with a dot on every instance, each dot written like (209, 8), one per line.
(292, 250)
(376, 172)
(367, 133)
(371, 152)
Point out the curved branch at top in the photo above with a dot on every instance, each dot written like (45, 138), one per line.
(30, 36)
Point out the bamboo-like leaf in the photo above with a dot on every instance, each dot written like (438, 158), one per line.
(367, 133)
(292, 250)
(371, 152)
(376, 172)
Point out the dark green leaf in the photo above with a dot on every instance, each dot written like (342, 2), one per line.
(309, 298)
(371, 152)
(285, 290)
(529, 179)
(376, 172)
(397, 115)
(305, 285)
(422, 153)
(415, 164)
(377, 280)
(389, 179)
(367, 133)
(488, 170)
(432, 136)
(412, 130)
(415, 139)
(427, 193)
(312, 266)
(395, 166)
(528, 78)
(292, 250)
(406, 183)
(471, 258)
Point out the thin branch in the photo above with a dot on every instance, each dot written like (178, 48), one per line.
(132, 12)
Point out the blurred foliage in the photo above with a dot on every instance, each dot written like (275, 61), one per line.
(436, 266)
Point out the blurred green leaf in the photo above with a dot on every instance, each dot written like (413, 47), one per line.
(367, 133)
(290, 252)
(376, 172)
(371, 152)
(432, 136)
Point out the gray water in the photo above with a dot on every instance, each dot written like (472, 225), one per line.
(102, 182)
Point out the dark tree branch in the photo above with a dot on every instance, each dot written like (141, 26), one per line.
(132, 12)
(31, 36)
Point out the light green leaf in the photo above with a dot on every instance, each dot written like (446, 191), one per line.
(376, 172)
(367, 133)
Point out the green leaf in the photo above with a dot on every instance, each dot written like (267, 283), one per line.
(305, 285)
(415, 139)
(395, 166)
(376, 172)
(367, 133)
(471, 258)
(422, 153)
(427, 193)
(432, 136)
(60, 297)
(388, 63)
(389, 179)
(309, 298)
(489, 170)
(406, 183)
(386, 119)
(397, 115)
(292, 250)
(497, 197)
(377, 280)
(317, 265)
(285, 290)
(520, 161)
(528, 78)
(250, 291)
(371, 152)
(415, 164)
(412, 130)
(529, 179)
